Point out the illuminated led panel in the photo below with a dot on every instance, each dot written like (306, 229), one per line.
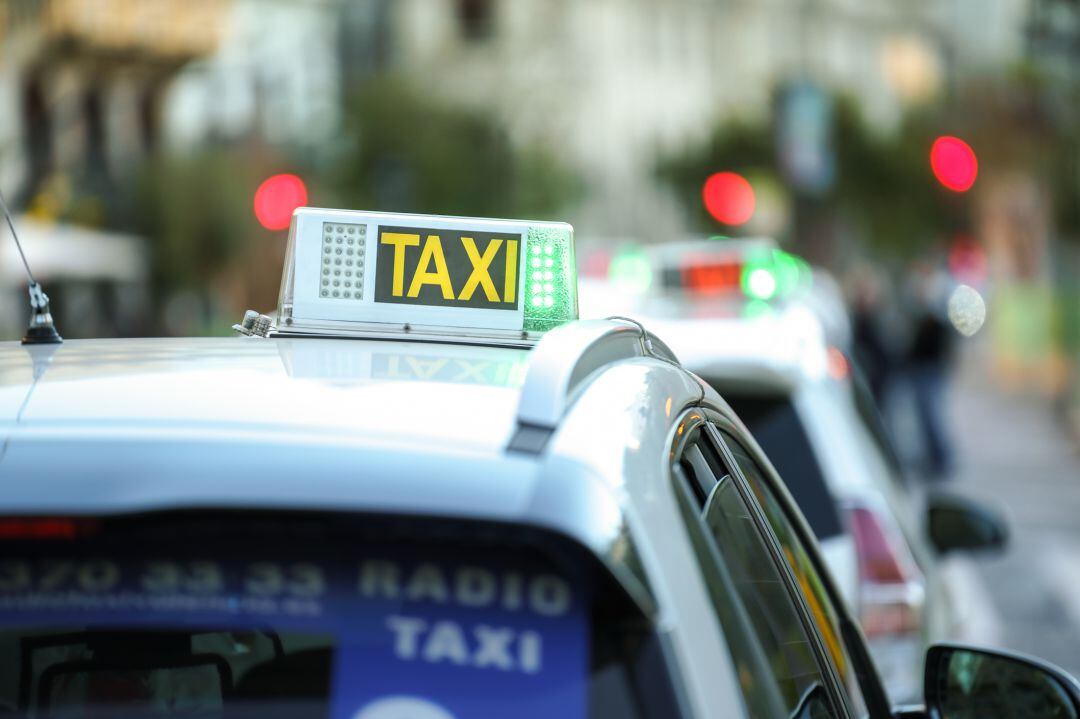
(550, 278)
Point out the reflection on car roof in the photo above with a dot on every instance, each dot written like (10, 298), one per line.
(435, 393)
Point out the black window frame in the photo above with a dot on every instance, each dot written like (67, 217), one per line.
(870, 683)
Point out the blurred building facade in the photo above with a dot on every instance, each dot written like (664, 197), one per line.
(84, 82)
(82, 85)
(95, 87)
(276, 74)
(612, 85)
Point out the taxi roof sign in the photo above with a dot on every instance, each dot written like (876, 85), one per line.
(350, 272)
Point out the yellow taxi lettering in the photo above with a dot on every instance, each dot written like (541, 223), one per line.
(423, 369)
(480, 274)
(393, 365)
(509, 288)
(399, 241)
(471, 371)
(431, 254)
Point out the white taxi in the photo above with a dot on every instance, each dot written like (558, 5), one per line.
(421, 490)
(759, 326)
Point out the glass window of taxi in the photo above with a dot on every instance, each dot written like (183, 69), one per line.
(823, 610)
(780, 670)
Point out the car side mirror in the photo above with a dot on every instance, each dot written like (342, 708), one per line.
(968, 683)
(955, 522)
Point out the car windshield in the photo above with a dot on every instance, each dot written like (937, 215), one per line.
(309, 618)
(775, 424)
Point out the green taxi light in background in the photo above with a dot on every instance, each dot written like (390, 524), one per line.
(787, 271)
(760, 283)
(774, 273)
(756, 308)
(631, 270)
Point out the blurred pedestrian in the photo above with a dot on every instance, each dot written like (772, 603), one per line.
(873, 354)
(927, 363)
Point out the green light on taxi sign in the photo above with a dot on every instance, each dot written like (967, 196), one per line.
(774, 273)
(760, 283)
(790, 271)
(756, 308)
(550, 279)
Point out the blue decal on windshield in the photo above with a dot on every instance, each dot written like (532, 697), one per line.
(415, 636)
(467, 642)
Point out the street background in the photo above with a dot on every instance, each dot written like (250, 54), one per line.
(152, 153)
(1013, 454)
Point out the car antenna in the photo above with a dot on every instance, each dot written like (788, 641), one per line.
(41, 331)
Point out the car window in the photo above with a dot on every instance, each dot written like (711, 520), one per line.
(783, 645)
(319, 618)
(774, 422)
(822, 609)
(760, 690)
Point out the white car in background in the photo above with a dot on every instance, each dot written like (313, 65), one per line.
(795, 391)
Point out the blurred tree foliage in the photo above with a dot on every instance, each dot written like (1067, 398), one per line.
(1031, 118)
(737, 145)
(410, 153)
(884, 193)
(400, 151)
(196, 210)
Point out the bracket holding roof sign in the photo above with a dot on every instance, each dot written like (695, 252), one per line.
(433, 277)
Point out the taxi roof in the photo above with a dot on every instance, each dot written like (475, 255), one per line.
(296, 388)
(782, 344)
(384, 427)
(103, 427)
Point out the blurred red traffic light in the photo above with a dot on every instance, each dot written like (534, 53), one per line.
(954, 164)
(276, 199)
(729, 198)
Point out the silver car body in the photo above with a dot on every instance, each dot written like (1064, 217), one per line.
(378, 426)
(787, 351)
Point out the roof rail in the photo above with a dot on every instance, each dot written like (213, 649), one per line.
(563, 359)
